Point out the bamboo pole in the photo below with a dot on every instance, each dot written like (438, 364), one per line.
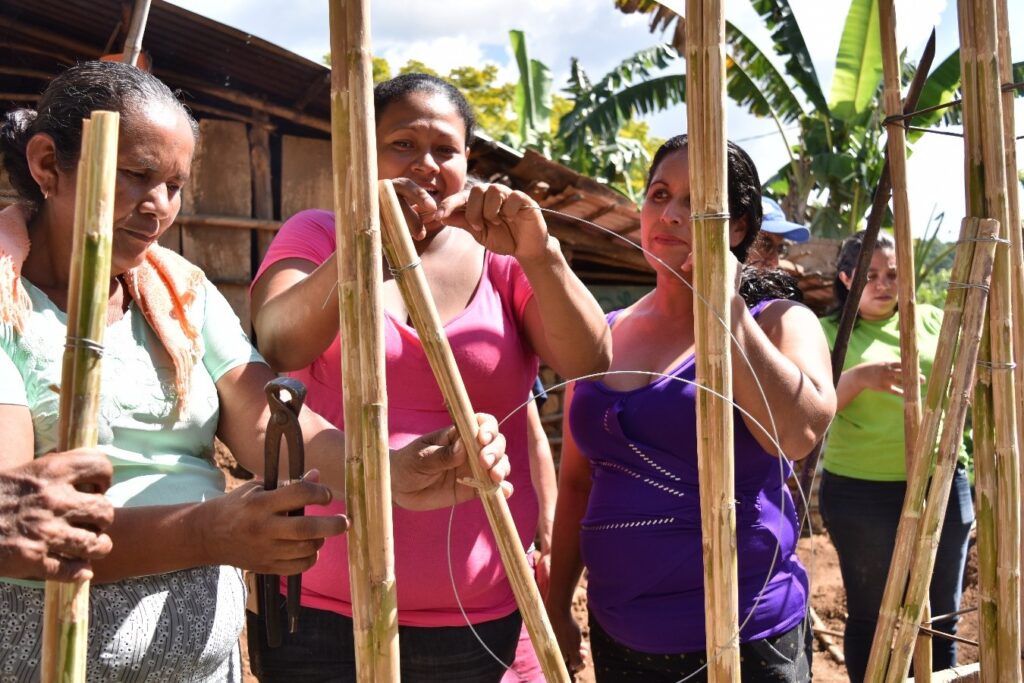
(133, 43)
(404, 262)
(987, 196)
(1014, 218)
(930, 529)
(367, 475)
(906, 295)
(709, 199)
(66, 609)
(923, 459)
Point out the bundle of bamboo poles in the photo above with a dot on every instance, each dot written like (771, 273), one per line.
(995, 402)
(924, 546)
(709, 201)
(357, 229)
(995, 420)
(401, 254)
(66, 610)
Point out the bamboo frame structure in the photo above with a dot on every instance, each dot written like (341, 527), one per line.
(66, 608)
(401, 254)
(896, 155)
(917, 479)
(996, 452)
(709, 199)
(360, 275)
(927, 542)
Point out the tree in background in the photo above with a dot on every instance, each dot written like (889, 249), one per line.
(836, 158)
(593, 129)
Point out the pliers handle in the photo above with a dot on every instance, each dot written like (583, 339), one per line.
(285, 397)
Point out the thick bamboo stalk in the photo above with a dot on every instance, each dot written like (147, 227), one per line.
(709, 199)
(66, 610)
(906, 295)
(984, 467)
(917, 478)
(987, 196)
(1014, 218)
(133, 43)
(930, 528)
(367, 475)
(404, 261)
(897, 154)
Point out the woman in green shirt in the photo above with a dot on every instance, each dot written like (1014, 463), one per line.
(865, 477)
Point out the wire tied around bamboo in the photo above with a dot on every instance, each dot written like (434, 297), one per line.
(401, 254)
(66, 607)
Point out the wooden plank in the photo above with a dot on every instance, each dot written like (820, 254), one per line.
(262, 180)
(221, 184)
(305, 175)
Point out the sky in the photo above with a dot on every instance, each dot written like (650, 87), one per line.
(448, 33)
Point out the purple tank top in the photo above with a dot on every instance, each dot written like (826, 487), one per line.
(641, 536)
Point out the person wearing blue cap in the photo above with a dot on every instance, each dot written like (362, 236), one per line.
(776, 230)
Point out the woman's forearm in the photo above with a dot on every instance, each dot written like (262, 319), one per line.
(154, 540)
(849, 388)
(295, 312)
(573, 337)
(791, 367)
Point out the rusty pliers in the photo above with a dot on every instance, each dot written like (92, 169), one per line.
(285, 397)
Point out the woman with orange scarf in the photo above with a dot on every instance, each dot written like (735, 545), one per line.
(167, 602)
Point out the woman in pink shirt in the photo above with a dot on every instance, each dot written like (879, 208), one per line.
(506, 296)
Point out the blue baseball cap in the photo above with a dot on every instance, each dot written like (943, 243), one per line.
(774, 221)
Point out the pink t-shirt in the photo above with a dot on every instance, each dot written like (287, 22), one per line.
(498, 366)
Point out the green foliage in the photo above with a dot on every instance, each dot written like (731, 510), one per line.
(837, 158)
(858, 63)
(617, 152)
(533, 97)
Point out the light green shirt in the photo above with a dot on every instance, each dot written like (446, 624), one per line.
(160, 457)
(866, 437)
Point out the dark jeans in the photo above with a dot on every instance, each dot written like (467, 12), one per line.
(862, 517)
(323, 651)
(785, 658)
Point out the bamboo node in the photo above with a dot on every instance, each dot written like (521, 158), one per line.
(73, 343)
(397, 272)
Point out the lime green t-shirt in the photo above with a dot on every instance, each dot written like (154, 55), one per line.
(866, 437)
(160, 457)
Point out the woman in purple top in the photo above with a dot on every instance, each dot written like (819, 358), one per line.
(628, 505)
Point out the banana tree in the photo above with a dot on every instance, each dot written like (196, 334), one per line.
(594, 119)
(837, 157)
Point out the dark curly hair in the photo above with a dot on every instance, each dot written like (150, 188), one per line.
(764, 284)
(387, 92)
(69, 98)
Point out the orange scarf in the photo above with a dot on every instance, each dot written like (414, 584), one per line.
(164, 287)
